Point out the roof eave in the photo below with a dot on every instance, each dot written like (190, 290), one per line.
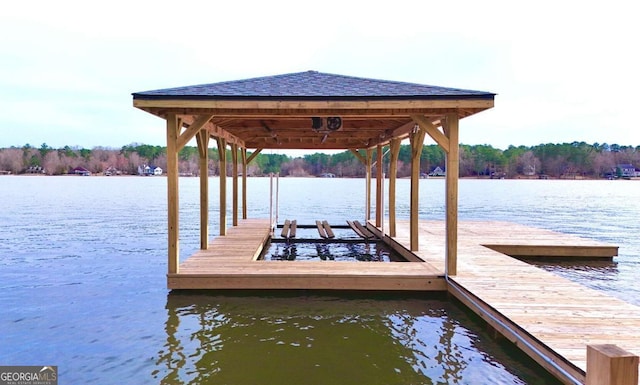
(301, 106)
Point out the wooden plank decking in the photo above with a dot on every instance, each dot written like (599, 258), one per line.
(230, 263)
(556, 317)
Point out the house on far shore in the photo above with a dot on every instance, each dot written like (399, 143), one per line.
(112, 171)
(625, 171)
(35, 170)
(437, 172)
(146, 170)
(80, 171)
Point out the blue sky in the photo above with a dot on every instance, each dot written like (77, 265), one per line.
(563, 70)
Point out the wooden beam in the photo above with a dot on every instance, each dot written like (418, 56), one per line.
(222, 155)
(319, 108)
(243, 153)
(379, 176)
(173, 129)
(393, 173)
(355, 152)
(202, 138)
(453, 168)
(253, 155)
(219, 132)
(328, 229)
(403, 131)
(359, 229)
(416, 139)
(234, 161)
(433, 132)
(321, 231)
(285, 229)
(611, 365)
(214, 130)
(192, 130)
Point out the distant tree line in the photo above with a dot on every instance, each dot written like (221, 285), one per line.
(577, 159)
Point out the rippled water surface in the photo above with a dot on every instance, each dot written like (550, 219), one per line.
(82, 286)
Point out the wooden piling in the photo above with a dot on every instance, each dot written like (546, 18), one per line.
(611, 365)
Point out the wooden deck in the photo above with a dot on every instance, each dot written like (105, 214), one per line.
(230, 263)
(549, 317)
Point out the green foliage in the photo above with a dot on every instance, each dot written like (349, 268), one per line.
(34, 161)
(271, 163)
(85, 153)
(68, 152)
(150, 152)
(187, 152)
(44, 150)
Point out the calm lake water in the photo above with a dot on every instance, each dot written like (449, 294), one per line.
(82, 286)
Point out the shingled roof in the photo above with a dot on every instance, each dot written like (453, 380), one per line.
(292, 111)
(311, 85)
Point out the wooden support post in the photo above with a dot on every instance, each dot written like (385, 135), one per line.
(202, 138)
(243, 153)
(416, 139)
(368, 182)
(450, 127)
(234, 160)
(611, 365)
(222, 155)
(173, 130)
(393, 173)
(379, 172)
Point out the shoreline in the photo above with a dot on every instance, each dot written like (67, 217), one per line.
(520, 177)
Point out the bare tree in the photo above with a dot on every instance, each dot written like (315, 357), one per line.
(134, 161)
(603, 163)
(11, 160)
(528, 164)
(294, 167)
(51, 163)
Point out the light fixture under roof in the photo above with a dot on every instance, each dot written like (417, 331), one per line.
(328, 124)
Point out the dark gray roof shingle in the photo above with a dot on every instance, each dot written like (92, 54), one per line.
(312, 85)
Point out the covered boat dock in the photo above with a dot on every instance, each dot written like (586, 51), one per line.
(319, 111)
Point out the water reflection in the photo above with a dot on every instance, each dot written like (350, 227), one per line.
(312, 338)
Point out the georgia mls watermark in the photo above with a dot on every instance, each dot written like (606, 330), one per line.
(28, 375)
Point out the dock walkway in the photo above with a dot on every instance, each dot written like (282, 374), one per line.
(549, 317)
